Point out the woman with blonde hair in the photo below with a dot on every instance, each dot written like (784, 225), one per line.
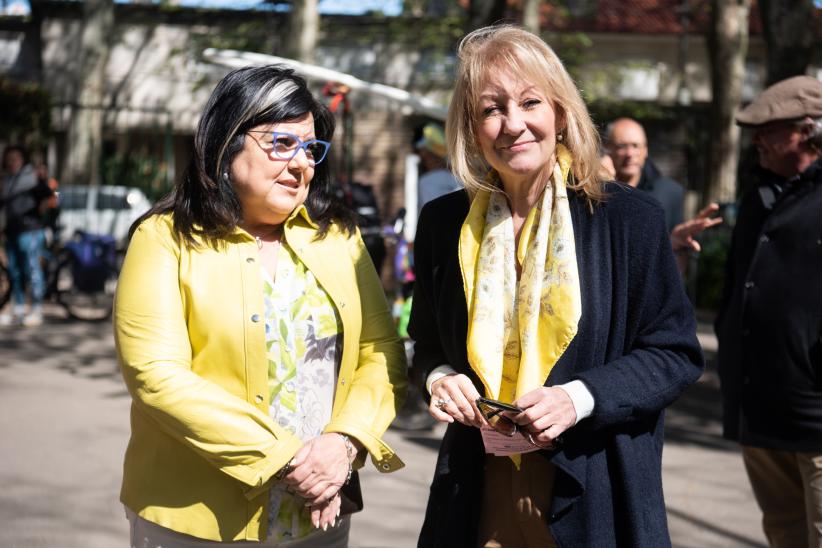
(550, 326)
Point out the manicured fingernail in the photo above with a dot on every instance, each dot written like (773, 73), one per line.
(325, 527)
(317, 524)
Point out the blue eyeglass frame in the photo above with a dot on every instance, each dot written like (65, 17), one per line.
(302, 145)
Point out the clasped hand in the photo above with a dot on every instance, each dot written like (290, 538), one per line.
(547, 411)
(320, 468)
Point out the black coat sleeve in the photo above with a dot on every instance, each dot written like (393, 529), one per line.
(660, 354)
(429, 352)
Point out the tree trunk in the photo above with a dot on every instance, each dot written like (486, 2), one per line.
(85, 131)
(530, 15)
(482, 13)
(788, 32)
(304, 25)
(728, 44)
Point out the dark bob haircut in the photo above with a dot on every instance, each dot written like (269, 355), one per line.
(204, 203)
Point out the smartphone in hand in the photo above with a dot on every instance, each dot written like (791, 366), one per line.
(496, 404)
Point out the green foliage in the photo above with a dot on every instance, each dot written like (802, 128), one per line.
(710, 272)
(26, 109)
(253, 36)
(604, 109)
(137, 169)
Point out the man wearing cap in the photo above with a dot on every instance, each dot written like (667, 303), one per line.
(770, 320)
(437, 178)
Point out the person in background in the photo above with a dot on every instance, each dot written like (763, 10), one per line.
(683, 236)
(22, 199)
(436, 179)
(49, 208)
(544, 287)
(769, 325)
(627, 146)
(627, 162)
(253, 335)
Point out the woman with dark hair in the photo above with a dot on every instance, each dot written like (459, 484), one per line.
(554, 294)
(253, 335)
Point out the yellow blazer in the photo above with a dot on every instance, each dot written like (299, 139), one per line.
(189, 328)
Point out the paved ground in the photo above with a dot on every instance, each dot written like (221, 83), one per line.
(64, 427)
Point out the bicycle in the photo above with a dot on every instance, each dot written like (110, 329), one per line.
(84, 279)
(81, 276)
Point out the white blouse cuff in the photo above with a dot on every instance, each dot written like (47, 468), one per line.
(437, 374)
(581, 397)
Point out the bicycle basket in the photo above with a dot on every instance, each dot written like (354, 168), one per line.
(93, 257)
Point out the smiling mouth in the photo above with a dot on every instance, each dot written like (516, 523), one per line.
(517, 145)
(294, 185)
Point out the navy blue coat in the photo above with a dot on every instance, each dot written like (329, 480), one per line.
(636, 350)
(667, 192)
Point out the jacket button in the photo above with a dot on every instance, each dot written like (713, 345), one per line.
(258, 398)
(249, 260)
(749, 285)
(342, 381)
(255, 318)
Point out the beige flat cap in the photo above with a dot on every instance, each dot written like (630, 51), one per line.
(789, 99)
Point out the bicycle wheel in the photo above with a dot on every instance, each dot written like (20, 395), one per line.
(5, 285)
(85, 305)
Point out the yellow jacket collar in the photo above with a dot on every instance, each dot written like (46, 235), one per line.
(300, 213)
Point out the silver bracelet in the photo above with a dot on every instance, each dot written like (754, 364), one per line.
(285, 470)
(351, 453)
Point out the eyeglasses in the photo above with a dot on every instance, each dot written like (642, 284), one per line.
(286, 145)
(507, 427)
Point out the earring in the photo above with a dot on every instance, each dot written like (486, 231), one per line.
(560, 137)
(225, 176)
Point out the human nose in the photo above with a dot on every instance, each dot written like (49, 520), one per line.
(301, 159)
(514, 121)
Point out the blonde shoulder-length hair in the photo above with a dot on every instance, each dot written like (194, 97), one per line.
(510, 48)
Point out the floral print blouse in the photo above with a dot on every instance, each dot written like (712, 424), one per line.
(303, 335)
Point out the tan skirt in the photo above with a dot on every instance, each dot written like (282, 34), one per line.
(516, 503)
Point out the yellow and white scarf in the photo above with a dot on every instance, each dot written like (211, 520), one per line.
(518, 331)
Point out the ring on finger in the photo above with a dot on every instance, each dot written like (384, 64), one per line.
(442, 402)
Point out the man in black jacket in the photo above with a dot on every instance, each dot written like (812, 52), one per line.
(628, 149)
(770, 321)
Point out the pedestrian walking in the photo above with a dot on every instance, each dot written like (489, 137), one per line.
(22, 200)
(769, 325)
(543, 288)
(254, 336)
